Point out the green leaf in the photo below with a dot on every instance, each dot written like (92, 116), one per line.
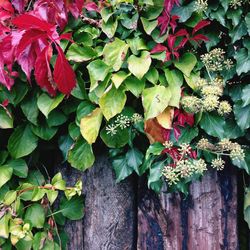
(46, 104)
(6, 120)
(81, 156)
(52, 195)
(175, 81)
(232, 130)
(155, 100)
(19, 167)
(65, 143)
(134, 85)
(3, 156)
(22, 142)
(30, 108)
(121, 167)
(5, 174)
(242, 115)
(84, 108)
(246, 95)
(56, 118)
(4, 226)
(44, 131)
(112, 102)
(234, 15)
(245, 163)
(155, 149)
(155, 174)
(139, 66)
(78, 53)
(118, 78)
(152, 75)
(73, 208)
(192, 81)
(247, 20)
(213, 124)
(109, 27)
(58, 182)
(134, 159)
(114, 53)
(186, 63)
(10, 197)
(187, 135)
(136, 44)
(149, 26)
(35, 215)
(247, 206)
(184, 12)
(90, 125)
(243, 62)
(98, 70)
(238, 32)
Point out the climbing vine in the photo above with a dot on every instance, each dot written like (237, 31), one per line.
(161, 84)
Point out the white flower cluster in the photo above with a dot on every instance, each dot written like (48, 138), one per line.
(183, 169)
(215, 60)
(122, 122)
(201, 5)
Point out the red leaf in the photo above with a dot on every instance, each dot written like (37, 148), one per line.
(200, 37)
(163, 22)
(158, 48)
(64, 76)
(42, 70)
(27, 21)
(171, 41)
(27, 60)
(173, 23)
(168, 56)
(19, 5)
(66, 36)
(5, 77)
(28, 38)
(200, 25)
(91, 7)
(177, 132)
(181, 32)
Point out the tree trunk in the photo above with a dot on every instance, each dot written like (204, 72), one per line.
(206, 219)
(124, 216)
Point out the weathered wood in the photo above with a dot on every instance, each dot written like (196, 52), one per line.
(207, 219)
(110, 221)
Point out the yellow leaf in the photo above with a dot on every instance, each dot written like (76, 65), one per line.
(165, 119)
(90, 125)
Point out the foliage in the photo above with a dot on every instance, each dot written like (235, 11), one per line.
(162, 83)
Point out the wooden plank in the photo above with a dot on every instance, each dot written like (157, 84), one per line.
(207, 219)
(110, 221)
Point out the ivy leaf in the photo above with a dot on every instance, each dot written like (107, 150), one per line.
(73, 208)
(120, 139)
(5, 174)
(81, 156)
(109, 27)
(90, 125)
(242, 115)
(246, 95)
(213, 124)
(122, 169)
(134, 159)
(155, 174)
(139, 66)
(35, 215)
(247, 206)
(134, 85)
(44, 131)
(149, 26)
(118, 78)
(186, 63)
(47, 104)
(30, 108)
(238, 32)
(175, 81)
(78, 53)
(243, 62)
(114, 53)
(112, 102)
(98, 70)
(155, 100)
(6, 121)
(19, 167)
(22, 142)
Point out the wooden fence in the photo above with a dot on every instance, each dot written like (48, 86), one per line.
(128, 216)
